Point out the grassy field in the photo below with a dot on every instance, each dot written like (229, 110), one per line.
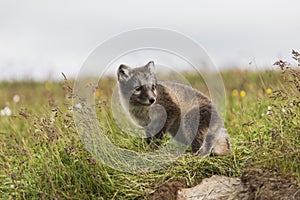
(42, 157)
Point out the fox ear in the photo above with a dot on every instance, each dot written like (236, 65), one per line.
(150, 66)
(124, 73)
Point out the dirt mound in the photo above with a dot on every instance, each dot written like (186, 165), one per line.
(168, 190)
(263, 184)
(255, 184)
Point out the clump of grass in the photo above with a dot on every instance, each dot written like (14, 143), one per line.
(277, 134)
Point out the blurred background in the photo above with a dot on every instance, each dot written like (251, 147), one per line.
(41, 39)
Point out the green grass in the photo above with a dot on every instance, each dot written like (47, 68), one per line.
(42, 157)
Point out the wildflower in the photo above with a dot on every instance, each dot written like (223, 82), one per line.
(269, 110)
(242, 93)
(16, 98)
(283, 110)
(48, 86)
(37, 130)
(235, 92)
(292, 103)
(5, 111)
(78, 106)
(97, 93)
(70, 109)
(268, 91)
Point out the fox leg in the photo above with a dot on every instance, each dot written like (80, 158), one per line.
(222, 144)
(207, 145)
(151, 137)
(216, 143)
(157, 126)
(211, 138)
(195, 128)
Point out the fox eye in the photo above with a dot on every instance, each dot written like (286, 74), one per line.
(138, 88)
(153, 87)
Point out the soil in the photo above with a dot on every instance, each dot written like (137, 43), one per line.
(255, 184)
(262, 184)
(168, 190)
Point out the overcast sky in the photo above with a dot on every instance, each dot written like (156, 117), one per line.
(40, 39)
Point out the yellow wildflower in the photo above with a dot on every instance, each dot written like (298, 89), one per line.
(235, 92)
(97, 93)
(242, 93)
(48, 86)
(268, 91)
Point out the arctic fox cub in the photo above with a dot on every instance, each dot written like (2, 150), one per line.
(162, 106)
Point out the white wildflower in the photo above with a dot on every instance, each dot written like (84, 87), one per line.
(269, 108)
(283, 110)
(52, 119)
(292, 103)
(268, 113)
(70, 109)
(37, 130)
(78, 106)
(5, 111)
(16, 98)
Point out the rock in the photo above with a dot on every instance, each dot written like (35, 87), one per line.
(213, 188)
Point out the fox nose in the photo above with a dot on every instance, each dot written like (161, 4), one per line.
(152, 100)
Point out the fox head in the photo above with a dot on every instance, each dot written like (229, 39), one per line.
(138, 85)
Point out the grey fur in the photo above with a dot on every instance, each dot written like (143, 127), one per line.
(188, 115)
